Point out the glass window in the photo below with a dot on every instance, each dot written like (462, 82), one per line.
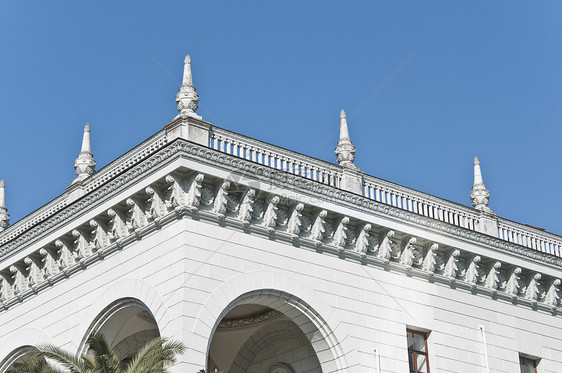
(417, 351)
(527, 365)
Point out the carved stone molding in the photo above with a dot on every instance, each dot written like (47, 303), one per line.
(188, 192)
(250, 321)
(278, 178)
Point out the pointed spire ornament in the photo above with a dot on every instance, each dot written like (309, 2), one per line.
(4, 217)
(85, 164)
(345, 151)
(480, 195)
(187, 99)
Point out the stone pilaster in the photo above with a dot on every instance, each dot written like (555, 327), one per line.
(488, 223)
(188, 128)
(352, 180)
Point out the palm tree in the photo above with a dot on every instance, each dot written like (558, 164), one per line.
(154, 357)
(31, 364)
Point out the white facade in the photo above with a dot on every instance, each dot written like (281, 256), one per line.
(312, 273)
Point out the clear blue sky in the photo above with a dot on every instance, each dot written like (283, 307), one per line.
(426, 85)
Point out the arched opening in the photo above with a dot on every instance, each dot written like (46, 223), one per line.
(18, 361)
(269, 331)
(127, 325)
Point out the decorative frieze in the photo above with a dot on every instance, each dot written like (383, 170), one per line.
(493, 276)
(552, 298)
(532, 291)
(220, 202)
(513, 285)
(472, 272)
(340, 239)
(270, 214)
(408, 254)
(294, 222)
(51, 263)
(429, 262)
(318, 228)
(386, 248)
(99, 235)
(451, 266)
(184, 193)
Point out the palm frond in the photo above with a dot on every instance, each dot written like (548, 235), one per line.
(155, 356)
(73, 363)
(105, 360)
(31, 363)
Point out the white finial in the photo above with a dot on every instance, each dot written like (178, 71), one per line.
(86, 148)
(187, 99)
(345, 151)
(2, 194)
(187, 77)
(477, 172)
(480, 195)
(344, 132)
(85, 164)
(4, 217)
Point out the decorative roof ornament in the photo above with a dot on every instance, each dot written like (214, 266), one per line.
(187, 99)
(85, 164)
(345, 151)
(480, 195)
(4, 217)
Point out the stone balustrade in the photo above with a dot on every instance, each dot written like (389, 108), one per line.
(275, 157)
(531, 237)
(420, 203)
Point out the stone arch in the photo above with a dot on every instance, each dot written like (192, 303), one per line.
(20, 343)
(118, 296)
(263, 338)
(279, 291)
(115, 316)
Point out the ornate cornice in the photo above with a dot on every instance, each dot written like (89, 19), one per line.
(190, 192)
(279, 179)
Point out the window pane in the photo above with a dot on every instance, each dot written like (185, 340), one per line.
(419, 342)
(410, 341)
(527, 366)
(411, 361)
(422, 364)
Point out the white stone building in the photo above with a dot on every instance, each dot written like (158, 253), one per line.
(261, 259)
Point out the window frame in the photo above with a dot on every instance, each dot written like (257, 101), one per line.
(524, 359)
(414, 352)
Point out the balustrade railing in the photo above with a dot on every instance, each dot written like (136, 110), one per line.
(530, 237)
(419, 203)
(274, 157)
